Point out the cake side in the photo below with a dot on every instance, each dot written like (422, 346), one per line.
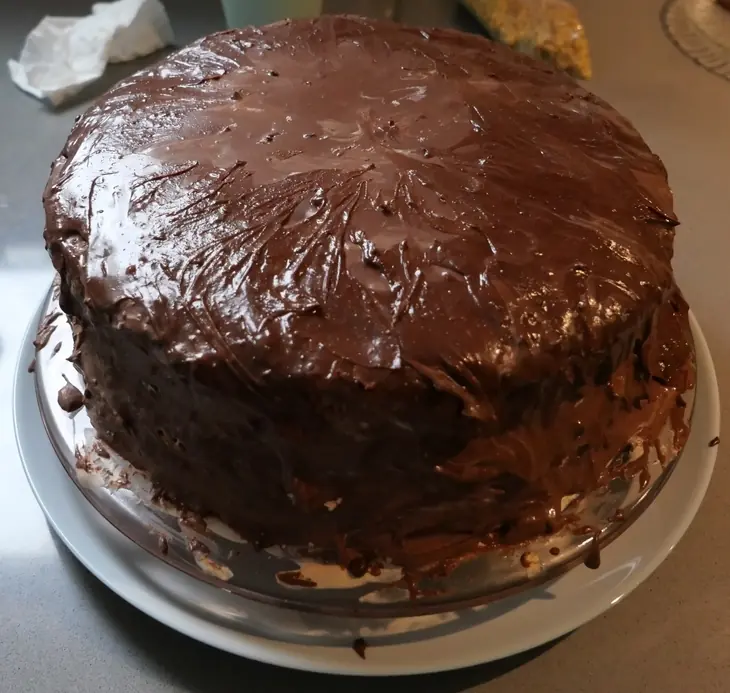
(382, 472)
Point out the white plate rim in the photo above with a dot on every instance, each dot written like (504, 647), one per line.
(58, 497)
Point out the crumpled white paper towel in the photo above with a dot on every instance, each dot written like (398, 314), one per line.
(62, 55)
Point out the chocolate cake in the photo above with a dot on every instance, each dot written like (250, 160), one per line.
(386, 292)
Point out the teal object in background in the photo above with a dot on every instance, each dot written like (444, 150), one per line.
(240, 13)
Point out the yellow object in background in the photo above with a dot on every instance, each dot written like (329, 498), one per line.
(549, 29)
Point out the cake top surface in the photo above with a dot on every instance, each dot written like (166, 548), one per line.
(343, 195)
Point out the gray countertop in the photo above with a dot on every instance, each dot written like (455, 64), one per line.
(61, 630)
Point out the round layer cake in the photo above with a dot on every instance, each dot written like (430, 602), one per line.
(385, 292)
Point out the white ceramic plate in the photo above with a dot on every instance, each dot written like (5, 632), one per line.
(404, 646)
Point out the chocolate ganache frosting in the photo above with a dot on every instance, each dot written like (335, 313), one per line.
(388, 292)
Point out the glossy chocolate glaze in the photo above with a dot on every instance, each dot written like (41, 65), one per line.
(379, 289)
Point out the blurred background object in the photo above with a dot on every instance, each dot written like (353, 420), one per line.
(701, 30)
(379, 9)
(240, 13)
(63, 55)
(548, 29)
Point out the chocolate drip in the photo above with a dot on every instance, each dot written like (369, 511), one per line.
(45, 330)
(360, 646)
(294, 578)
(593, 556)
(70, 398)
